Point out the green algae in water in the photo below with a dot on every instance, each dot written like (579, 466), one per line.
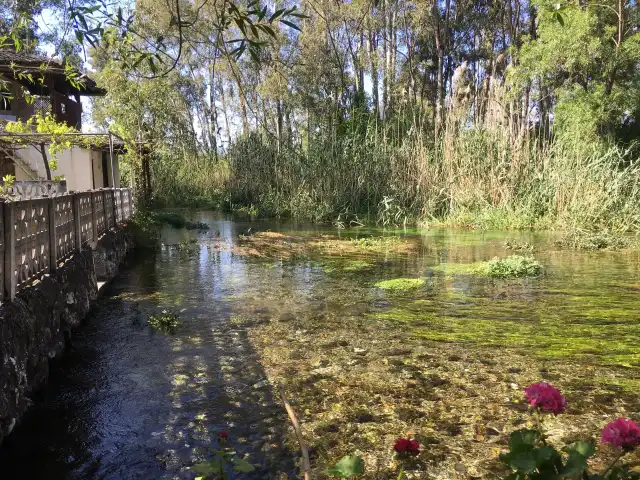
(401, 284)
(348, 266)
(550, 338)
(514, 266)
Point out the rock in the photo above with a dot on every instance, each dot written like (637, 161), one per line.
(493, 429)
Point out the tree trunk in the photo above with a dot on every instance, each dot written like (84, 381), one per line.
(43, 152)
(373, 59)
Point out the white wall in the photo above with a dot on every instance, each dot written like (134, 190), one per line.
(81, 167)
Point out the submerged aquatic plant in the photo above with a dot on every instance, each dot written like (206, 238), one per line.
(166, 320)
(401, 284)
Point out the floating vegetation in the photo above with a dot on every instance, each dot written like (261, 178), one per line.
(511, 267)
(401, 284)
(585, 240)
(166, 320)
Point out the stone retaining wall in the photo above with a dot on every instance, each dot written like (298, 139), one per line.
(35, 327)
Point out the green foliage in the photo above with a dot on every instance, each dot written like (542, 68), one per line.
(7, 182)
(347, 467)
(144, 230)
(585, 240)
(531, 458)
(166, 321)
(215, 469)
(177, 220)
(513, 266)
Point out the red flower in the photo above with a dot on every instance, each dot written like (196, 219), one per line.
(406, 446)
(545, 397)
(623, 433)
(223, 435)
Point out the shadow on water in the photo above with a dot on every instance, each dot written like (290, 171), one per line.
(127, 402)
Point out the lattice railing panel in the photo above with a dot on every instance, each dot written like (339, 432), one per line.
(31, 240)
(65, 227)
(109, 209)
(42, 232)
(98, 200)
(86, 216)
(118, 195)
(126, 204)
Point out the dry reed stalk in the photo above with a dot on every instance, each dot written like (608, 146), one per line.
(306, 464)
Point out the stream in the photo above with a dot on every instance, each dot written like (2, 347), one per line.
(128, 402)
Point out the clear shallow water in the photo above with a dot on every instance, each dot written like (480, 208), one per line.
(131, 403)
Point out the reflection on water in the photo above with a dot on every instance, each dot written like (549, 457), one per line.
(131, 403)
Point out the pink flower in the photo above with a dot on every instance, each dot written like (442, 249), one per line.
(545, 397)
(623, 433)
(406, 446)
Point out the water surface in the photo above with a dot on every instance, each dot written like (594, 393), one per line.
(128, 402)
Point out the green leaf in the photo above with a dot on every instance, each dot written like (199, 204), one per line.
(586, 449)
(276, 14)
(203, 468)
(576, 464)
(524, 462)
(523, 439)
(348, 466)
(558, 18)
(240, 465)
(290, 24)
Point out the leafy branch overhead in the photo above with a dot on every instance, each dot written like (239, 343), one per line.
(98, 25)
